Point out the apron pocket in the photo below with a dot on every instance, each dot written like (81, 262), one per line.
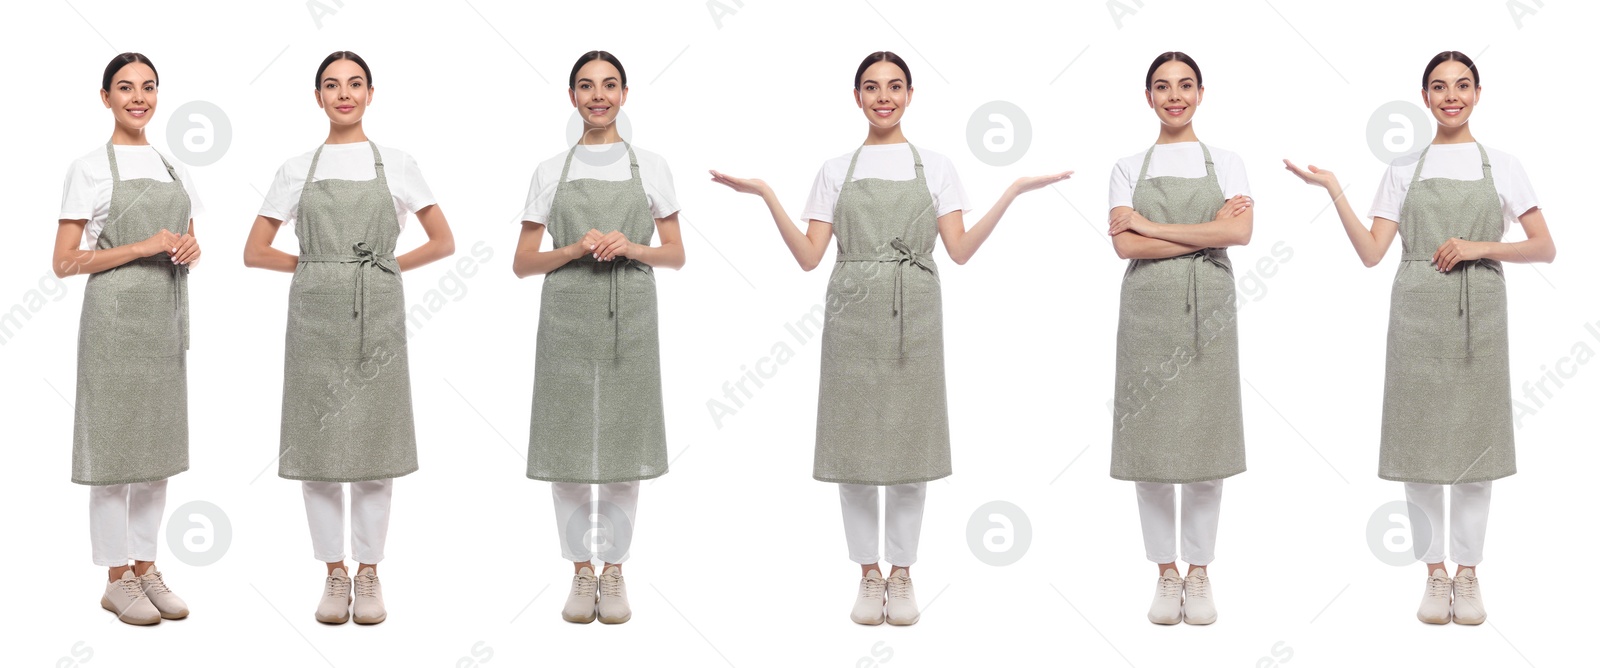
(324, 326)
(1155, 323)
(1431, 325)
(577, 325)
(866, 327)
(146, 325)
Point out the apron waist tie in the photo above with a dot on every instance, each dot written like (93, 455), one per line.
(1191, 297)
(1464, 292)
(901, 256)
(363, 256)
(618, 266)
(180, 293)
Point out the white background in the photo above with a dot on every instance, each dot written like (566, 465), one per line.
(739, 558)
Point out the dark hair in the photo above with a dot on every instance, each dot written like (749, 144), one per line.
(123, 60)
(1446, 56)
(585, 59)
(337, 56)
(1167, 58)
(878, 57)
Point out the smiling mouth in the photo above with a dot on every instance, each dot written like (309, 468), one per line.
(1175, 111)
(598, 111)
(138, 113)
(1452, 111)
(345, 107)
(883, 111)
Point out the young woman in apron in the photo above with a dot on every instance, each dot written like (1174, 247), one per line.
(881, 414)
(1447, 419)
(597, 408)
(346, 385)
(127, 221)
(1175, 208)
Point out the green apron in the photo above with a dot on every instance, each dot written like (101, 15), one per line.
(131, 421)
(597, 407)
(881, 413)
(1177, 409)
(346, 379)
(1447, 382)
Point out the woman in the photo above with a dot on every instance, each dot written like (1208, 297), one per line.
(881, 415)
(1447, 384)
(133, 210)
(597, 408)
(1175, 208)
(347, 387)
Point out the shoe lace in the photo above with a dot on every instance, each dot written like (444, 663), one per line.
(367, 585)
(1171, 587)
(583, 585)
(1198, 586)
(131, 587)
(337, 585)
(153, 584)
(1439, 585)
(611, 584)
(872, 588)
(899, 586)
(1466, 587)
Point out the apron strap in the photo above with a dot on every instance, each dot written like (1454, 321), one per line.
(363, 257)
(111, 156)
(1416, 175)
(901, 254)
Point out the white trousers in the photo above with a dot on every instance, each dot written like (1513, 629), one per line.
(902, 520)
(1158, 515)
(592, 527)
(125, 520)
(369, 518)
(1469, 521)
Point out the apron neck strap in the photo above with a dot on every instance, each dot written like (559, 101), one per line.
(1482, 154)
(916, 158)
(116, 174)
(377, 161)
(1144, 169)
(633, 162)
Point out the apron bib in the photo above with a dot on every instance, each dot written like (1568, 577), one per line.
(131, 419)
(1447, 382)
(597, 407)
(881, 413)
(1177, 413)
(346, 379)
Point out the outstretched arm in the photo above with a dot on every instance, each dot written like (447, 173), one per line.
(963, 243)
(807, 247)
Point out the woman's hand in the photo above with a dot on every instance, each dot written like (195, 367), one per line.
(188, 251)
(1129, 221)
(1234, 207)
(1031, 183)
(161, 242)
(748, 186)
(1313, 175)
(611, 245)
(1456, 250)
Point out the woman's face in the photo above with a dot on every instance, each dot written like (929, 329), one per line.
(598, 93)
(883, 95)
(1174, 93)
(132, 96)
(344, 92)
(1451, 94)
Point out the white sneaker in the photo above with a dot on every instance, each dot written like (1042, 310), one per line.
(1167, 606)
(125, 596)
(613, 607)
(368, 607)
(869, 601)
(166, 602)
(334, 608)
(1198, 608)
(580, 603)
(902, 607)
(1468, 605)
(1436, 599)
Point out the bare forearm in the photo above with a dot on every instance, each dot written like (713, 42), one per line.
(535, 262)
(1134, 246)
(1211, 234)
(76, 262)
(800, 245)
(1368, 247)
(271, 259)
(430, 251)
(665, 256)
(967, 243)
(1541, 249)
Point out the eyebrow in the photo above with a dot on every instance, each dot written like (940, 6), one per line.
(336, 79)
(592, 80)
(867, 81)
(125, 81)
(1179, 81)
(1443, 81)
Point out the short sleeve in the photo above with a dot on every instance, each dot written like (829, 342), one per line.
(1516, 190)
(196, 207)
(1121, 186)
(661, 192)
(1232, 178)
(948, 195)
(414, 193)
(541, 192)
(78, 193)
(824, 193)
(1390, 196)
(280, 202)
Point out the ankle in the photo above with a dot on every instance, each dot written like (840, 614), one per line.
(867, 569)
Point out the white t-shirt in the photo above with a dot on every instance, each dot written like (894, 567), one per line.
(1183, 159)
(653, 175)
(351, 162)
(86, 195)
(1457, 161)
(892, 162)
